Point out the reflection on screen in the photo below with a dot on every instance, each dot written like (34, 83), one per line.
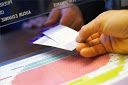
(12, 11)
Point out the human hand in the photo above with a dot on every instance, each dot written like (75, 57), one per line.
(107, 33)
(69, 16)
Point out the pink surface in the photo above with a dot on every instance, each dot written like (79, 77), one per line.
(60, 71)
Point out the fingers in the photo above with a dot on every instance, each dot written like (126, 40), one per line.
(72, 17)
(65, 20)
(94, 36)
(94, 42)
(92, 48)
(54, 16)
(93, 51)
(87, 31)
(68, 17)
(81, 46)
(77, 24)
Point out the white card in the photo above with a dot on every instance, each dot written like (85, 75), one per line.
(49, 42)
(61, 34)
(60, 37)
(46, 41)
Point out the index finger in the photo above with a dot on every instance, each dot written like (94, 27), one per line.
(87, 31)
(53, 17)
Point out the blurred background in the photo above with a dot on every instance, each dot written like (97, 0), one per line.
(41, 8)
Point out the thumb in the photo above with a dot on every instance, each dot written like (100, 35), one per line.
(88, 30)
(53, 17)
